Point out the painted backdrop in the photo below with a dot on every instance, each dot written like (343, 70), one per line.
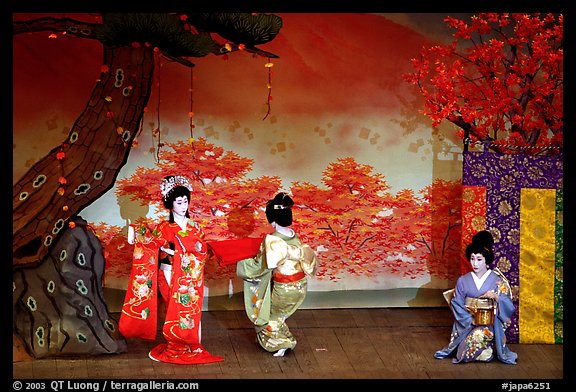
(331, 121)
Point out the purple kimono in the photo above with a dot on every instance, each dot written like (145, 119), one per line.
(480, 342)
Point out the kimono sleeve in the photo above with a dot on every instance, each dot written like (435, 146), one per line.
(139, 310)
(463, 318)
(253, 267)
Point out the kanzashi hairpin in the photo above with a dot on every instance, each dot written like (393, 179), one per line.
(172, 182)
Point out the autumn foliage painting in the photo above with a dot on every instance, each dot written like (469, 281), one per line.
(358, 226)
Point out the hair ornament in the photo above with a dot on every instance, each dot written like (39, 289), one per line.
(172, 182)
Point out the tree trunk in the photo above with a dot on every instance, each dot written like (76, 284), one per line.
(59, 308)
(76, 173)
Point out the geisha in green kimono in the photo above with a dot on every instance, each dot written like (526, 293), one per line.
(275, 279)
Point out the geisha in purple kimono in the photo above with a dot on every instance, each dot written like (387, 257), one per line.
(469, 340)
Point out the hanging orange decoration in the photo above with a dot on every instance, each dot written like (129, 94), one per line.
(191, 112)
(157, 132)
(71, 225)
(60, 155)
(269, 65)
(62, 180)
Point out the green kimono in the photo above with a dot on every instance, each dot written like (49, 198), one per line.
(275, 285)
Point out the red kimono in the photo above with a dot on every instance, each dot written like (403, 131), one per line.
(184, 293)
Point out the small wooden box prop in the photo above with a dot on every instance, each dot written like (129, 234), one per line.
(483, 310)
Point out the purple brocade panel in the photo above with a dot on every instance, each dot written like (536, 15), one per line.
(503, 176)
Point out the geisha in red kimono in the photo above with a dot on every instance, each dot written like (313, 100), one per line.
(179, 281)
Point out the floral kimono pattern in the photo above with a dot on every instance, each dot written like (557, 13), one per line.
(470, 342)
(183, 294)
(140, 309)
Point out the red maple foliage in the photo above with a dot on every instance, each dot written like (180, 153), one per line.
(358, 226)
(501, 81)
(444, 208)
(367, 231)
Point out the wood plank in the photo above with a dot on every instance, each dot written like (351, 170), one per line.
(383, 317)
(359, 349)
(139, 348)
(544, 353)
(289, 364)
(163, 370)
(334, 318)
(269, 364)
(99, 368)
(220, 319)
(385, 342)
(411, 343)
(453, 373)
(435, 317)
(247, 350)
(22, 370)
(554, 353)
(431, 341)
(327, 349)
(362, 317)
(135, 368)
(543, 370)
(217, 342)
(72, 368)
(303, 318)
(410, 317)
(304, 353)
(44, 368)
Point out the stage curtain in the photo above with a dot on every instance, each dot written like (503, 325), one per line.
(523, 211)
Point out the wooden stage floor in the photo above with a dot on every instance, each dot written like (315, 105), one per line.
(391, 344)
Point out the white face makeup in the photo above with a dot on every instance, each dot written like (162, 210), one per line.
(478, 263)
(180, 206)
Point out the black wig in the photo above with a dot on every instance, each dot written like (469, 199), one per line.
(279, 210)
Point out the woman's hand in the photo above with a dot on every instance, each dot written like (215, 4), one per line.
(490, 294)
(131, 234)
